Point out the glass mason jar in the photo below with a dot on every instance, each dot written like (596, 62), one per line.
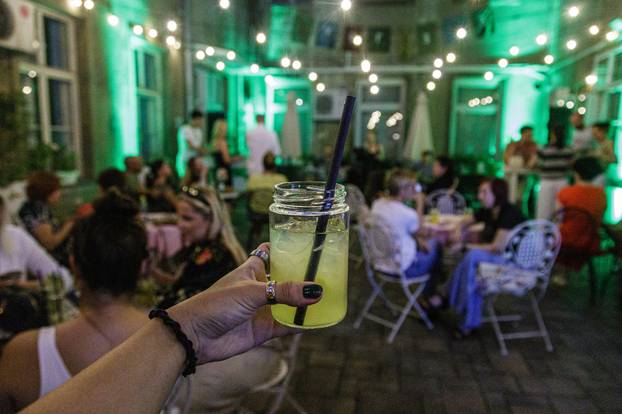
(294, 216)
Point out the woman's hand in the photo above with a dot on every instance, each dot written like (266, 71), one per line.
(231, 317)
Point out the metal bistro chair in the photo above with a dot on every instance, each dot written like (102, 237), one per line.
(446, 202)
(382, 265)
(359, 211)
(530, 253)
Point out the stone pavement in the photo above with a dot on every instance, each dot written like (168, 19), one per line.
(343, 370)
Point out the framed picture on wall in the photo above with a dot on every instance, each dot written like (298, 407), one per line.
(326, 34)
(379, 39)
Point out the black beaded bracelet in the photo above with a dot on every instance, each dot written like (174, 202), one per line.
(191, 357)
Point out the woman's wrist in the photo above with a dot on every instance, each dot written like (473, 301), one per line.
(166, 341)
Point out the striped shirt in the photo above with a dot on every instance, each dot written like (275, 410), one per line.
(554, 162)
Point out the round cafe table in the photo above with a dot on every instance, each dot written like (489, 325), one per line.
(445, 227)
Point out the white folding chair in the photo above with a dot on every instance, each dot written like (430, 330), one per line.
(359, 211)
(446, 202)
(530, 252)
(279, 383)
(381, 251)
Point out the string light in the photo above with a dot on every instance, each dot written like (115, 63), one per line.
(320, 87)
(612, 35)
(254, 68)
(200, 54)
(89, 4)
(569, 104)
(548, 59)
(560, 103)
(75, 3)
(113, 20)
(374, 89)
(581, 110)
(177, 45)
(451, 57)
(171, 26)
(27, 90)
(430, 86)
(461, 33)
(436, 74)
(573, 11)
(210, 51)
(170, 40)
(299, 102)
(312, 76)
(231, 55)
(514, 50)
(152, 33)
(582, 97)
(488, 75)
(138, 30)
(261, 38)
(269, 79)
(220, 65)
(594, 30)
(224, 4)
(296, 64)
(503, 62)
(286, 62)
(346, 5)
(591, 79)
(365, 65)
(438, 63)
(373, 78)
(32, 74)
(571, 44)
(541, 39)
(357, 40)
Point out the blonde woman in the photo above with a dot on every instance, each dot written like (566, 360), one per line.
(212, 249)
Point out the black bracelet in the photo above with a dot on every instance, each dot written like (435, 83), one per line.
(191, 357)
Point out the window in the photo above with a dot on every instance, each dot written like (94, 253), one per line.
(49, 84)
(147, 74)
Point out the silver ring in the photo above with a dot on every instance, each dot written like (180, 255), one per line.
(264, 256)
(271, 292)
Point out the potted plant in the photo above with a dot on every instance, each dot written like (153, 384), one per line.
(64, 164)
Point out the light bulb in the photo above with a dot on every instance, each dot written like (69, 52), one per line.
(138, 29)
(365, 65)
(569, 104)
(548, 59)
(357, 40)
(170, 40)
(436, 74)
(373, 78)
(438, 63)
(514, 50)
(488, 75)
(594, 30)
(461, 33)
(299, 102)
(296, 64)
(573, 11)
(312, 76)
(612, 35)
(171, 25)
(374, 89)
(320, 87)
(177, 45)
(502, 63)
(210, 51)
(591, 79)
(27, 90)
(89, 4)
(75, 3)
(220, 65)
(581, 110)
(346, 5)
(231, 55)
(200, 54)
(224, 4)
(261, 38)
(286, 62)
(254, 68)
(571, 44)
(451, 57)
(541, 39)
(152, 33)
(113, 20)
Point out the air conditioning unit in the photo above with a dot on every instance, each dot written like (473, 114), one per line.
(329, 104)
(17, 25)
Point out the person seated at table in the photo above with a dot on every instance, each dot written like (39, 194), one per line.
(522, 153)
(196, 173)
(106, 180)
(21, 256)
(443, 172)
(42, 191)
(603, 150)
(425, 167)
(134, 185)
(160, 195)
(268, 178)
(212, 247)
(419, 255)
(579, 240)
(499, 216)
(107, 252)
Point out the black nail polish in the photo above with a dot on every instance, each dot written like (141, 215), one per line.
(312, 291)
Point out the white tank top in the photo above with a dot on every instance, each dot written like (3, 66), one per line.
(52, 370)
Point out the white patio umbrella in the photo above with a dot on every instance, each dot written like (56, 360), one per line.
(290, 131)
(419, 132)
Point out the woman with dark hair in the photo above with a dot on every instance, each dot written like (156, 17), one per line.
(554, 161)
(42, 191)
(160, 195)
(107, 252)
(498, 217)
(443, 172)
(196, 173)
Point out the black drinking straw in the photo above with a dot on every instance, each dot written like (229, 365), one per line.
(329, 195)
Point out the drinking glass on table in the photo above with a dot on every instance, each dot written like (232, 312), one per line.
(434, 215)
(294, 215)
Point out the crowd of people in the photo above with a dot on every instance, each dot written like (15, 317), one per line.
(100, 253)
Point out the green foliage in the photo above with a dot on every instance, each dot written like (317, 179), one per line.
(14, 163)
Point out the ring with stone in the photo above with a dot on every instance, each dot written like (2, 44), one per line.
(271, 292)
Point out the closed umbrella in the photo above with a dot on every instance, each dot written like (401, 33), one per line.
(290, 131)
(419, 132)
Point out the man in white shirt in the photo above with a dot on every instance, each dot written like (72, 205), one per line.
(190, 139)
(418, 256)
(582, 140)
(259, 141)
